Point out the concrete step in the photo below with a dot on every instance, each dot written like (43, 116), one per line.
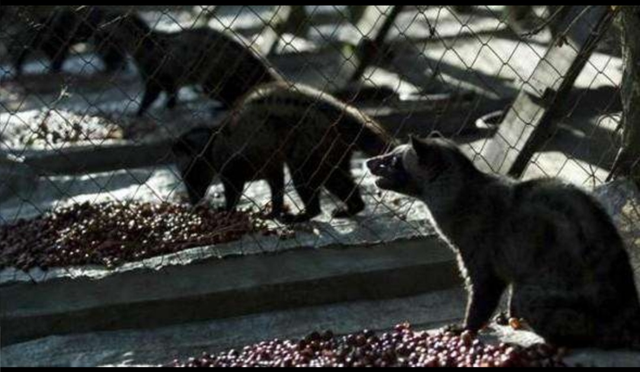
(217, 288)
(159, 346)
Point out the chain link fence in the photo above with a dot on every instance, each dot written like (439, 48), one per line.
(111, 119)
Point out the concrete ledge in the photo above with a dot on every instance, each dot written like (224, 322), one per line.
(310, 67)
(160, 345)
(117, 155)
(127, 154)
(14, 175)
(586, 357)
(217, 288)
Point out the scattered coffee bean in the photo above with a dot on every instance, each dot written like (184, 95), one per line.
(113, 233)
(403, 347)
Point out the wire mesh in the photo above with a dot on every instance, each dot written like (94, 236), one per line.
(94, 100)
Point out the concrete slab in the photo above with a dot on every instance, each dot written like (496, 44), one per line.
(147, 142)
(587, 357)
(100, 117)
(218, 289)
(160, 345)
(389, 244)
(14, 176)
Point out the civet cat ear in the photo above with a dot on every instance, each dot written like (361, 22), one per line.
(421, 148)
(412, 140)
(435, 134)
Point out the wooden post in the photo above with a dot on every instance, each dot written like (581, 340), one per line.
(531, 118)
(296, 21)
(203, 14)
(356, 12)
(375, 27)
(627, 162)
(272, 31)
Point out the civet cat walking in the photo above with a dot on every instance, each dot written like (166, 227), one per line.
(224, 66)
(311, 132)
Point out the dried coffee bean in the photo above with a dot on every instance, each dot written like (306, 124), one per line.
(111, 233)
(401, 348)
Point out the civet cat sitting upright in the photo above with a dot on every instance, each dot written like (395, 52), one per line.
(551, 243)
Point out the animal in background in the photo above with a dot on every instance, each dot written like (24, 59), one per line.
(307, 130)
(221, 63)
(55, 33)
(551, 243)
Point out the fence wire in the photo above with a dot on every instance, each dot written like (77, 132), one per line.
(110, 106)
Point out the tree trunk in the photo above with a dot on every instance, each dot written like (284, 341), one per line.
(627, 162)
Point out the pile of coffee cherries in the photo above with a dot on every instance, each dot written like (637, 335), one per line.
(53, 127)
(402, 347)
(112, 233)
